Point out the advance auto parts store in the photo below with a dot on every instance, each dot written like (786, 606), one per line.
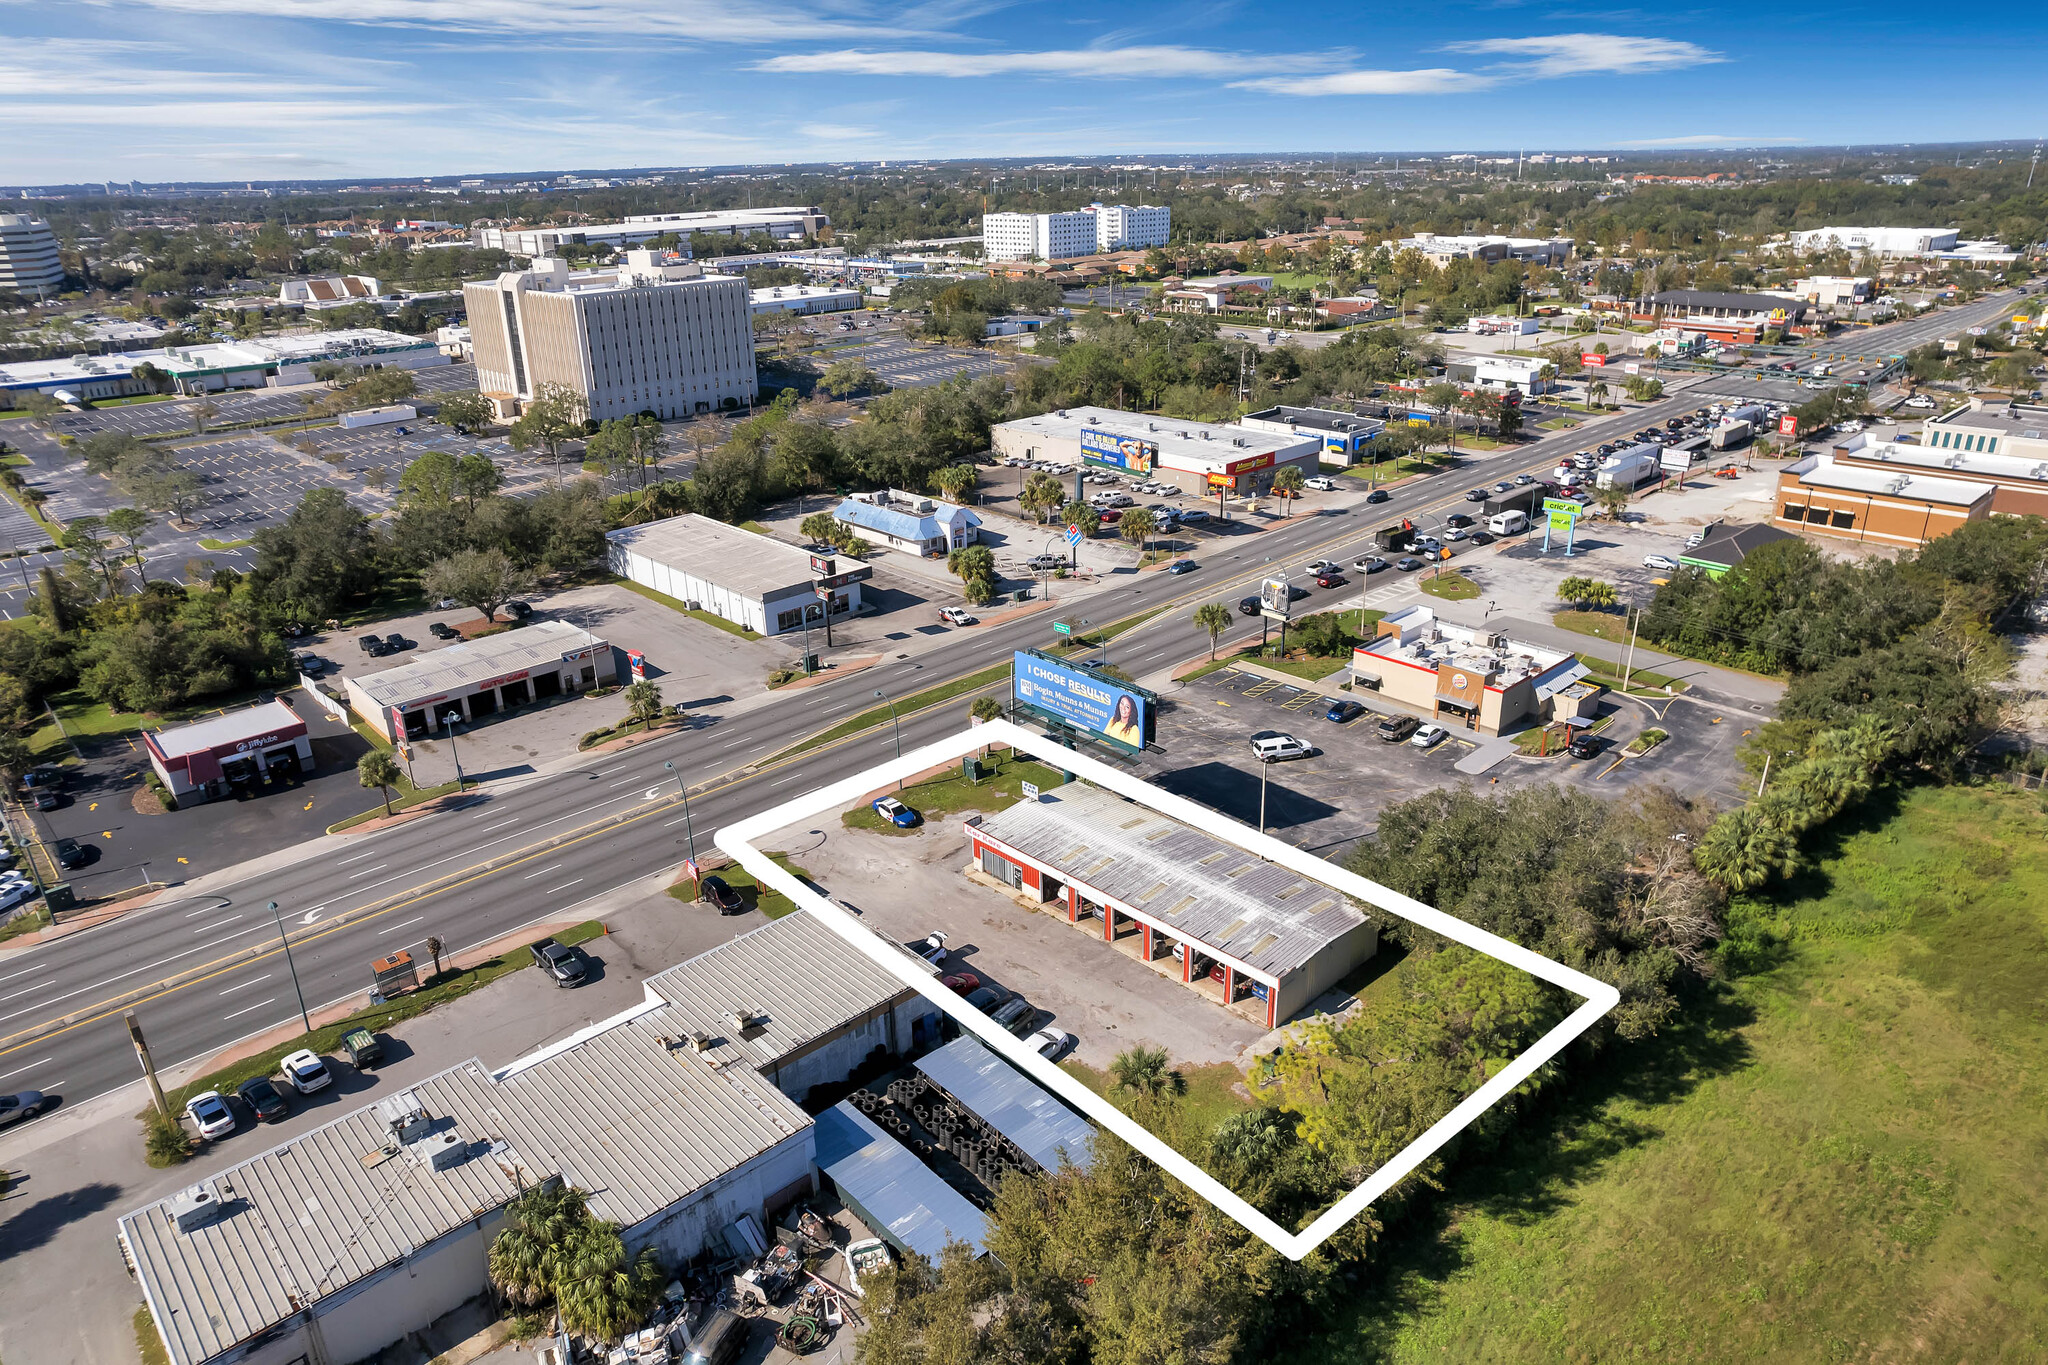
(482, 677)
(1203, 458)
(208, 758)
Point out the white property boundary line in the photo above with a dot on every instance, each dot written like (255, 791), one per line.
(738, 840)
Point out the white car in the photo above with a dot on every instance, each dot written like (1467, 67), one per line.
(1428, 737)
(306, 1071)
(1050, 1043)
(211, 1113)
(932, 948)
(1920, 401)
(14, 893)
(1321, 485)
(958, 616)
(1663, 562)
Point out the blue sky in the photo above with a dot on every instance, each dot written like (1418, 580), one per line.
(235, 89)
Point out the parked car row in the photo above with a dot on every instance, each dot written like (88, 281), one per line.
(268, 1098)
(1013, 1012)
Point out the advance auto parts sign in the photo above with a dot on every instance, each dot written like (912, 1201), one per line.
(1118, 452)
(1083, 700)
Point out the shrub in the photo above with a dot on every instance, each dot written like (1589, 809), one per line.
(164, 1142)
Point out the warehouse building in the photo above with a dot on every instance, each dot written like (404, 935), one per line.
(216, 366)
(1345, 435)
(909, 522)
(1876, 505)
(790, 1000)
(1203, 458)
(345, 1239)
(1241, 932)
(785, 223)
(209, 758)
(2006, 448)
(655, 334)
(803, 299)
(482, 677)
(1003, 1098)
(1469, 677)
(748, 579)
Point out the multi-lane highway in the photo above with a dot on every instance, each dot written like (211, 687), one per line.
(206, 970)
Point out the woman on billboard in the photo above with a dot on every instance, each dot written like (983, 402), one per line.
(1123, 722)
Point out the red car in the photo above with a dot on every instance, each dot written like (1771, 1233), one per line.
(965, 983)
(1330, 580)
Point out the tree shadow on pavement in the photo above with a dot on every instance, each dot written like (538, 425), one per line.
(36, 1223)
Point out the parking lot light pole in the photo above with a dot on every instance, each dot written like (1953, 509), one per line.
(895, 725)
(1264, 766)
(285, 939)
(689, 830)
(451, 720)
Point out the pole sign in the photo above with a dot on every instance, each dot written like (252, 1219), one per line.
(637, 661)
(1030, 790)
(821, 564)
(1073, 534)
(1560, 514)
(1788, 425)
(1276, 598)
(1063, 627)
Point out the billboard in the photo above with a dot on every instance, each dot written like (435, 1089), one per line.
(1118, 452)
(1101, 706)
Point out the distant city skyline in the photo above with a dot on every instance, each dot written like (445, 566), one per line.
(214, 90)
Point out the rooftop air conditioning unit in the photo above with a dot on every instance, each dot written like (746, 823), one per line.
(700, 1041)
(404, 1116)
(743, 1019)
(195, 1206)
(439, 1151)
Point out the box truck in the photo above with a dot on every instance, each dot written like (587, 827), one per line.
(1630, 468)
(1729, 435)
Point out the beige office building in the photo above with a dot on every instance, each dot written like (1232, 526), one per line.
(651, 335)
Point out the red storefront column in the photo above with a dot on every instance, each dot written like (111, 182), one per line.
(1272, 1004)
(1229, 983)
(1145, 931)
(1073, 905)
(1109, 924)
(1187, 961)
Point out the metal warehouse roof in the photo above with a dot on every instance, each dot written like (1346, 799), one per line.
(891, 1190)
(1203, 888)
(310, 1217)
(793, 976)
(624, 1110)
(1009, 1103)
(739, 561)
(441, 672)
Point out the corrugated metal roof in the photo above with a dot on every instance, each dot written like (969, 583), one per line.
(797, 978)
(638, 1123)
(878, 1175)
(1202, 888)
(306, 1218)
(903, 525)
(741, 561)
(441, 671)
(1009, 1102)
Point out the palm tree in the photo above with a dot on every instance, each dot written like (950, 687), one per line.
(1136, 527)
(1287, 486)
(378, 769)
(526, 1254)
(600, 1289)
(643, 703)
(1596, 393)
(436, 946)
(1143, 1071)
(954, 480)
(1743, 850)
(1598, 594)
(1213, 617)
(1040, 494)
(1250, 1140)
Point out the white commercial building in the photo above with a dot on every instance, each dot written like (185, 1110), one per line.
(750, 580)
(678, 1116)
(804, 298)
(1198, 457)
(269, 362)
(1879, 241)
(653, 335)
(29, 265)
(785, 223)
(481, 677)
(1442, 249)
(1081, 232)
(1832, 291)
(330, 291)
(1522, 373)
(910, 522)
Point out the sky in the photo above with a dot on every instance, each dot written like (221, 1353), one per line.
(158, 90)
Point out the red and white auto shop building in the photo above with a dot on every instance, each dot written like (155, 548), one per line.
(209, 758)
(1242, 932)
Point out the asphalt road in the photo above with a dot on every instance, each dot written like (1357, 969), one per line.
(208, 971)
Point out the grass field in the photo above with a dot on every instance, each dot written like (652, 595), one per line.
(1834, 1156)
(1452, 587)
(952, 794)
(729, 627)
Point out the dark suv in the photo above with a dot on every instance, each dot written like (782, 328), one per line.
(1394, 729)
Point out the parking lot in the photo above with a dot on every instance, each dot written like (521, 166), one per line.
(904, 363)
(173, 417)
(905, 887)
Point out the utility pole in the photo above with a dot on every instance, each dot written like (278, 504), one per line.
(1628, 664)
(156, 1089)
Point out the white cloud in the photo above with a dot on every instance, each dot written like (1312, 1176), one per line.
(246, 115)
(1441, 80)
(839, 132)
(689, 20)
(81, 69)
(1577, 54)
(1111, 62)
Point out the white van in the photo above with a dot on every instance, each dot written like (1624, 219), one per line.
(1508, 523)
(1272, 748)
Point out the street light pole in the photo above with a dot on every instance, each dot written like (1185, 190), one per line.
(285, 939)
(896, 726)
(451, 720)
(689, 829)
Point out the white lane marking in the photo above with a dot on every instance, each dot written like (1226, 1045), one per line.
(250, 982)
(136, 971)
(18, 1070)
(367, 871)
(542, 871)
(358, 857)
(607, 772)
(257, 1006)
(563, 887)
(26, 989)
(791, 778)
(206, 910)
(216, 924)
(620, 783)
(488, 828)
(389, 928)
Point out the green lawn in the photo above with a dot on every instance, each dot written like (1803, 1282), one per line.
(1834, 1156)
(1313, 669)
(83, 716)
(916, 701)
(209, 543)
(770, 902)
(729, 627)
(951, 794)
(1452, 587)
(1600, 625)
